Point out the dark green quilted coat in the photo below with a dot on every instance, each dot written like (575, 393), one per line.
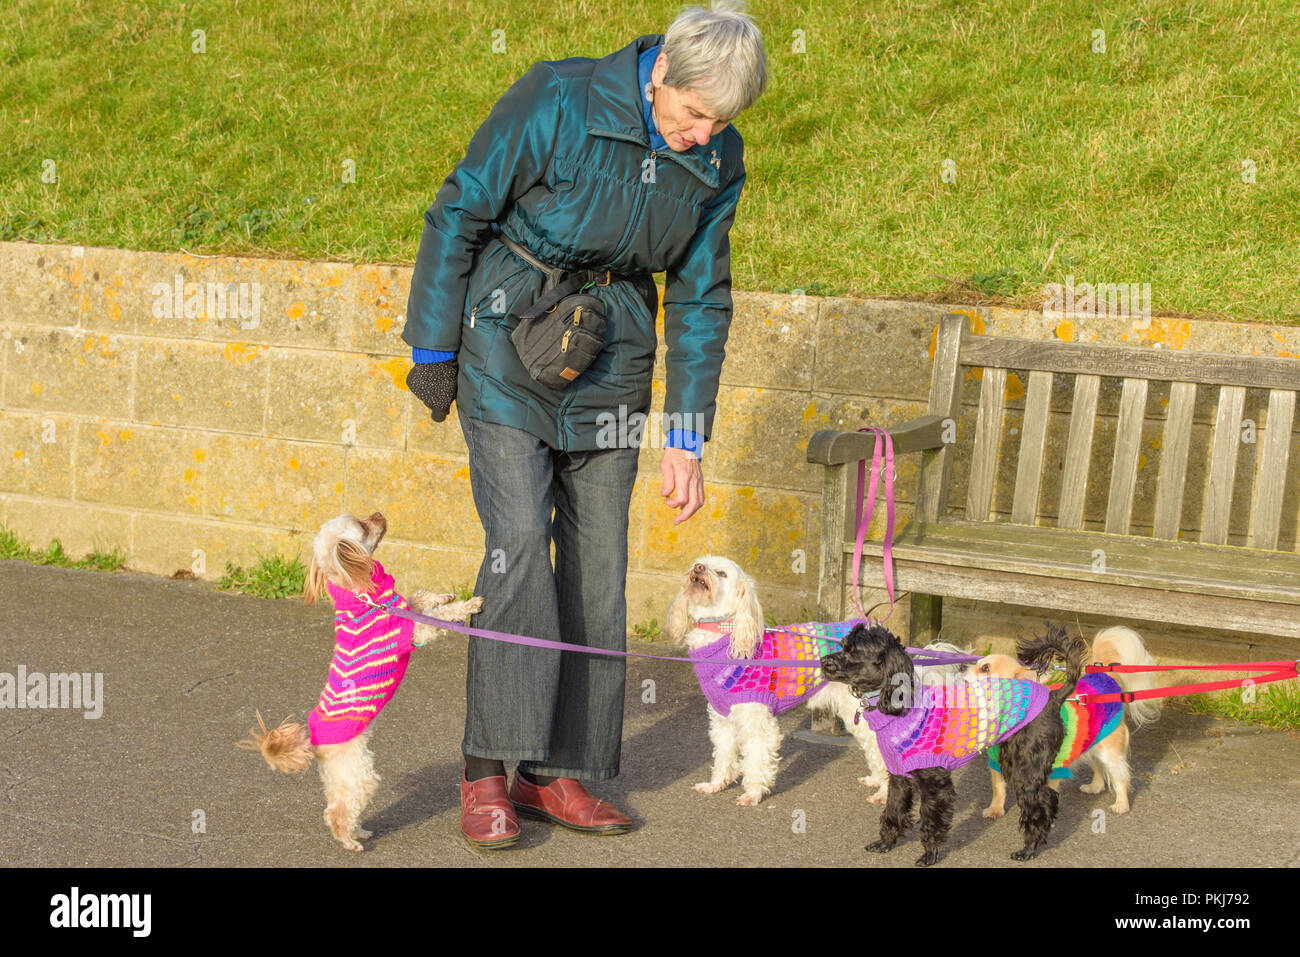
(559, 165)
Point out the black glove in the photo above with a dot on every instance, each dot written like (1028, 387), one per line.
(434, 384)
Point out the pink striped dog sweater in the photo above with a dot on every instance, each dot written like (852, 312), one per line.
(371, 651)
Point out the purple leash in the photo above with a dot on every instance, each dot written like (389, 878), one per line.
(922, 655)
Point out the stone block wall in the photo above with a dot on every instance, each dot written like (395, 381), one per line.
(140, 410)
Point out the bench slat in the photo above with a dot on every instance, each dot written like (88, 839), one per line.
(1223, 466)
(1258, 372)
(1151, 601)
(1078, 451)
(1271, 482)
(1128, 444)
(1177, 440)
(1184, 567)
(988, 434)
(945, 402)
(1033, 438)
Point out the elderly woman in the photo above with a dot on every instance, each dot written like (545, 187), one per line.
(612, 169)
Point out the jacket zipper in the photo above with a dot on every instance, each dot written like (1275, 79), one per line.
(568, 400)
(626, 240)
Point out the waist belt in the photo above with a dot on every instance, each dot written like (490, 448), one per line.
(556, 275)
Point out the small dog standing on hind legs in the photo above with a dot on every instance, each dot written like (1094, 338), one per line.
(925, 732)
(371, 652)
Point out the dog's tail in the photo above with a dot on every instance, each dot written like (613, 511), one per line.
(286, 747)
(1038, 652)
(1122, 645)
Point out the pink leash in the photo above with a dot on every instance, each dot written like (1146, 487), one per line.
(863, 521)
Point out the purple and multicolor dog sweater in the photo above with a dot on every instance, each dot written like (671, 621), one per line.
(954, 723)
(1085, 724)
(371, 651)
(726, 683)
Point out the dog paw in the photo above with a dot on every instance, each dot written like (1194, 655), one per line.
(749, 799)
(425, 601)
(474, 605)
(1024, 854)
(708, 787)
(993, 813)
(1120, 807)
(882, 789)
(362, 835)
(351, 845)
(878, 847)
(1096, 787)
(928, 858)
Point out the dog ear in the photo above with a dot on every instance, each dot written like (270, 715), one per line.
(899, 688)
(355, 565)
(678, 621)
(747, 623)
(315, 583)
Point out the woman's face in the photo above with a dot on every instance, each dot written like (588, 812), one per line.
(683, 120)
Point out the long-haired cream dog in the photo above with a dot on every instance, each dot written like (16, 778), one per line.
(1108, 754)
(371, 652)
(718, 598)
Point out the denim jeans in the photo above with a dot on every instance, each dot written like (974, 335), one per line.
(557, 713)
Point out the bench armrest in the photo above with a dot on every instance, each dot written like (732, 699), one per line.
(830, 447)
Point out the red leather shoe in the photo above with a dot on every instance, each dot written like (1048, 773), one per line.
(487, 819)
(566, 802)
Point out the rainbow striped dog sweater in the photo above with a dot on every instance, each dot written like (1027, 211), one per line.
(954, 723)
(1085, 724)
(371, 651)
(726, 683)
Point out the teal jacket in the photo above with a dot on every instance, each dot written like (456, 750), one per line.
(563, 165)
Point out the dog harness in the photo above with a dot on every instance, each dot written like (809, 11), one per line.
(954, 723)
(371, 651)
(726, 683)
(1085, 724)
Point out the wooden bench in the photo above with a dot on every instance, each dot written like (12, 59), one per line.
(1054, 559)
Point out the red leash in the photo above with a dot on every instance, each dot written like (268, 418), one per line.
(1276, 671)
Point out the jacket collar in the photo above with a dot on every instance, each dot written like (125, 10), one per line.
(614, 108)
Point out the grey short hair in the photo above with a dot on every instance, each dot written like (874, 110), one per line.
(717, 53)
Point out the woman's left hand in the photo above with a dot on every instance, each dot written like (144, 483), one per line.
(683, 486)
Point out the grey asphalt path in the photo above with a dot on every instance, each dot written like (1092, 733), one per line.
(157, 780)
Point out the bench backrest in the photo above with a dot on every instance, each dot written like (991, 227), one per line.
(957, 349)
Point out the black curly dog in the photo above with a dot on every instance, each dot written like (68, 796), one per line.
(872, 659)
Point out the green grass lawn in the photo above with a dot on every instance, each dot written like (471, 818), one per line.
(1122, 166)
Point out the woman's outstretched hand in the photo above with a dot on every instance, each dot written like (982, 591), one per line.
(683, 486)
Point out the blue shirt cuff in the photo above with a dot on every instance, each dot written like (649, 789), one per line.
(682, 439)
(430, 355)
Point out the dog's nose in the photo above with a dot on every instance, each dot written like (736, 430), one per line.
(697, 568)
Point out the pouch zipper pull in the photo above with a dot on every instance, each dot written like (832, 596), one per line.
(564, 343)
(471, 316)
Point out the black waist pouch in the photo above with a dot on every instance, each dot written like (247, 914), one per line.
(561, 333)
